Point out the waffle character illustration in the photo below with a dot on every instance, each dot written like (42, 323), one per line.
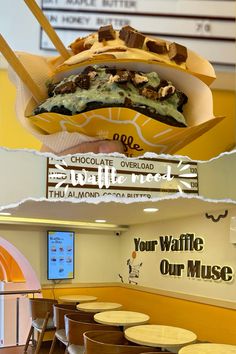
(134, 269)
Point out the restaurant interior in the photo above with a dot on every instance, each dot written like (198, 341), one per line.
(173, 263)
(118, 275)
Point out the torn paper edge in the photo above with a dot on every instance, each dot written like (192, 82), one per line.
(113, 198)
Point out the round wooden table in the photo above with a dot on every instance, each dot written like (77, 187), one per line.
(208, 348)
(98, 306)
(77, 298)
(121, 318)
(168, 337)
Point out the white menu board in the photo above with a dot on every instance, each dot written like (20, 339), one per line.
(84, 177)
(203, 26)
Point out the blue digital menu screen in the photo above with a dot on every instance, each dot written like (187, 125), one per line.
(60, 245)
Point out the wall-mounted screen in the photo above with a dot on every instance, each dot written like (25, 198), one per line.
(60, 250)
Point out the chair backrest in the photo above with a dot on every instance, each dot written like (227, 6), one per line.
(40, 307)
(66, 306)
(59, 312)
(110, 342)
(77, 325)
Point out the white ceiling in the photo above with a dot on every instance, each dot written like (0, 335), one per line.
(116, 213)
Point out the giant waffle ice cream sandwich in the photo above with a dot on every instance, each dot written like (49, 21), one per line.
(150, 94)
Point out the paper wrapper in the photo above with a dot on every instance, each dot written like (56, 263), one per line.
(138, 132)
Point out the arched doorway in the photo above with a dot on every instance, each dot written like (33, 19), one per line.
(10, 270)
(16, 274)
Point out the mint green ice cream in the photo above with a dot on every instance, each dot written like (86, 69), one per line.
(99, 86)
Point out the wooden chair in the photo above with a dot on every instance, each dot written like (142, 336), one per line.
(59, 312)
(75, 328)
(41, 311)
(111, 342)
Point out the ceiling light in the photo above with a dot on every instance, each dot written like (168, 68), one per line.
(150, 210)
(3, 213)
(100, 220)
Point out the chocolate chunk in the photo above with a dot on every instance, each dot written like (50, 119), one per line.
(135, 40)
(111, 71)
(51, 86)
(88, 69)
(123, 76)
(106, 33)
(127, 102)
(138, 79)
(162, 83)
(177, 52)
(166, 91)
(83, 81)
(124, 32)
(79, 46)
(157, 46)
(87, 46)
(149, 93)
(66, 87)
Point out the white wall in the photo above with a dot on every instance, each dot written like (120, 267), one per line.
(24, 176)
(97, 255)
(217, 251)
(217, 177)
(19, 26)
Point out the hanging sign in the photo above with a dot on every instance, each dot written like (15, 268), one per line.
(90, 176)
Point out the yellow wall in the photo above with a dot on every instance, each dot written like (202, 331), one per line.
(12, 134)
(219, 139)
(222, 137)
(210, 323)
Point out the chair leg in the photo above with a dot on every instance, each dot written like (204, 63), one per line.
(28, 339)
(53, 344)
(40, 340)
